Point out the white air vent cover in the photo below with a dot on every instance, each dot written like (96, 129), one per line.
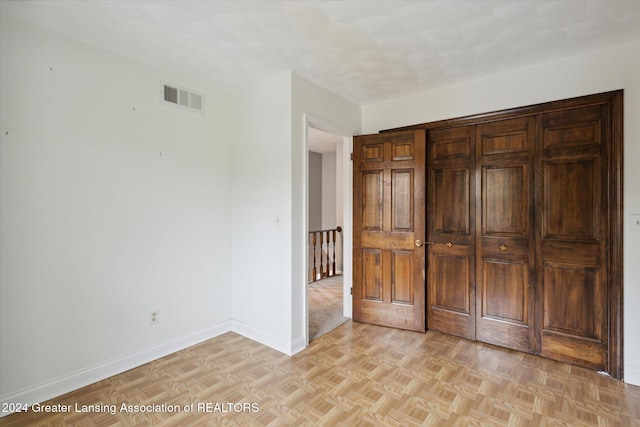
(181, 97)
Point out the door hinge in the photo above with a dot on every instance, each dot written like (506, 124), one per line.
(351, 291)
(351, 156)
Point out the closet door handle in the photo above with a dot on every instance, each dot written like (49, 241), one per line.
(503, 247)
(449, 244)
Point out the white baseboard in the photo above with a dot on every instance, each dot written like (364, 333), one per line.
(84, 377)
(632, 375)
(297, 346)
(65, 384)
(283, 346)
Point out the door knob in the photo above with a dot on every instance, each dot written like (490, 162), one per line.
(503, 247)
(449, 244)
(419, 243)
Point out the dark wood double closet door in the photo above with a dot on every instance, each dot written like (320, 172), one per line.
(523, 229)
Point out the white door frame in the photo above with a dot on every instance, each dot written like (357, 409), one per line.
(347, 202)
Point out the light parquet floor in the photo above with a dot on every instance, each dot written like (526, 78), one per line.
(356, 375)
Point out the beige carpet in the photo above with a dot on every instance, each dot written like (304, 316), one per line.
(325, 306)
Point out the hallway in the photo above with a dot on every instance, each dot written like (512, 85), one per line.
(325, 306)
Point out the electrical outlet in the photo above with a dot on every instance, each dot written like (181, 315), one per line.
(154, 317)
(635, 221)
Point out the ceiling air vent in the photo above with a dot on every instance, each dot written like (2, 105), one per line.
(182, 97)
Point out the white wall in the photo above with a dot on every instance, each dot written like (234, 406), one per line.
(113, 205)
(261, 225)
(315, 191)
(329, 191)
(616, 68)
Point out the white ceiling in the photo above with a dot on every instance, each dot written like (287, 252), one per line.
(366, 51)
(322, 142)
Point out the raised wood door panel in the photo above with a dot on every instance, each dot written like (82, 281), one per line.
(451, 231)
(505, 240)
(573, 240)
(389, 217)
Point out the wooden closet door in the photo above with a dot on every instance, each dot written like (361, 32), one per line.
(451, 231)
(573, 234)
(388, 229)
(505, 241)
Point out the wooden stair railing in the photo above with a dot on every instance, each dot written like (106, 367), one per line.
(323, 243)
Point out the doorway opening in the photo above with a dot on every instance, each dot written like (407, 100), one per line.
(328, 264)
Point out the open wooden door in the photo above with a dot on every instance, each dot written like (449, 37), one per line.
(389, 229)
